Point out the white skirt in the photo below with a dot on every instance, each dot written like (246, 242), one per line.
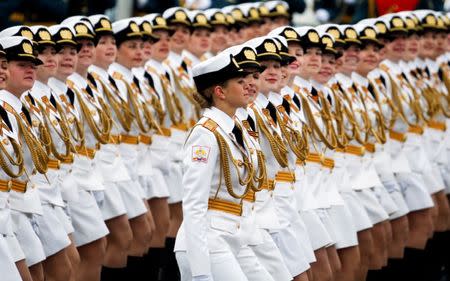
(359, 214)
(112, 205)
(28, 240)
(50, 231)
(414, 191)
(373, 207)
(343, 226)
(87, 219)
(316, 230)
(8, 268)
(132, 198)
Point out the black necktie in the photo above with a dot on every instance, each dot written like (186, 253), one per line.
(296, 101)
(272, 111)
(71, 95)
(238, 135)
(371, 90)
(286, 106)
(251, 122)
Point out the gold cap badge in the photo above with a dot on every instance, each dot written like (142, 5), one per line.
(44, 35)
(291, 34)
(27, 34)
(180, 15)
(134, 27)
(250, 54)
(351, 33)
(27, 48)
(270, 47)
(369, 32)
(313, 37)
(105, 23)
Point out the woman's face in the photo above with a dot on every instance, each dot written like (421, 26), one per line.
(86, 55)
(235, 93)
(396, 48)
(327, 70)
(252, 80)
(146, 51)
(219, 39)
(297, 51)
(130, 54)
(106, 50)
(349, 60)
(368, 59)
(270, 78)
(427, 44)
(4, 72)
(311, 62)
(180, 38)
(22, 76)
(200, 42)
(50, 64)
(67, 61)
(160, 49)
(412, 47)
(441, 42)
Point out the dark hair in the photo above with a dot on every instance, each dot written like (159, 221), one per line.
(205, 97)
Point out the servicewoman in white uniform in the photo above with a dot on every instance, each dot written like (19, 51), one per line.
(215, 185)
(113, 169)
(38, 101)
(132, 111)
(280, 160)
(200, 40)
(24, 198)
(14, 267)
(78, 182)
(263, 213)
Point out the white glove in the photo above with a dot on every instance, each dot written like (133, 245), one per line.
(202, 278)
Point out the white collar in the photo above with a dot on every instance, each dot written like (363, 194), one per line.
(344, 80)
(302, 83)
(287, 91)
(241, 113)
(275, 99)
(359, 79)
(221, 118)
(126, 72)
(11, 99)
(261, 101)
(57, 85)
(40, 90)
(78, 80)
(103, 73)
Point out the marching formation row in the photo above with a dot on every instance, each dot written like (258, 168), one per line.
(225, 145)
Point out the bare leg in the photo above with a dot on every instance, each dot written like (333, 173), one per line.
(57, 267)
(400, 231)
(365, 240)
(377, 258)
(141, 232)
(37, 272)
(420, 228)
(321, 268)
(119, 242)
(176, 217)
(350, 262)
(160, 208)
(333, 257)
(23, 270)
(74, 258)
(91, 257)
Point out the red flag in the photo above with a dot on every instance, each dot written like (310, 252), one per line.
(392, 6)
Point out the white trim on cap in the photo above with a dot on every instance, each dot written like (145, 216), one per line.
(213, 64)
(8, 32)
(120, 25)
(11, 41)
(302, 30)
(171, 11)
(94, 19)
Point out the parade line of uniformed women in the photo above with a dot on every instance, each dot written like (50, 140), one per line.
(225, 145)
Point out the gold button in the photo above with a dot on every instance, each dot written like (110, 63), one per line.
(9, 185)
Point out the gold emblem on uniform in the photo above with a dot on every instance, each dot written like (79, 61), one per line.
(105, 23)
(381, 27)
(397, 22)
(147, 27)
(5, 141)
(55, 122)
(431, 20)
(160, 21)
(27, 48)
(263, 10)
(35, 122)
(270, 47)
(250, 55)
(27, 34)
(65, 34)
(220, 17)
(180, 15)
(71, 119)
(335, 33)
(230, 19)
(81, 29)
(280, 8)
(327, 41)
(351, 33)
(290, 34)
(201, 19)
(237, 14)
(134, 27)
(45, 35)
(254, 13)
(409, 23)
(369, 32)
(313, 37)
